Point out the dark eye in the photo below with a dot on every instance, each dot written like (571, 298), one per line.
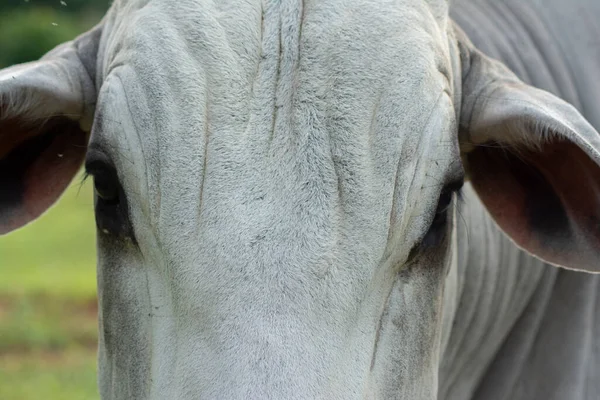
(441, 213)
(111, 210)
(437, 229)
(106, 187)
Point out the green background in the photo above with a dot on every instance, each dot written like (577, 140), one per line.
(48, 328)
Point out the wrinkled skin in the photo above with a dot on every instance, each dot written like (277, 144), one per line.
(274, 191)
(272, 200)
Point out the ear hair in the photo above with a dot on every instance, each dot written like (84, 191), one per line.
(34, 99)
(486, 80)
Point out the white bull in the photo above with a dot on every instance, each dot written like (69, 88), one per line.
(275, 210)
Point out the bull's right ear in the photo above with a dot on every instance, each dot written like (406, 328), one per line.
(534, 161)
(46, 109)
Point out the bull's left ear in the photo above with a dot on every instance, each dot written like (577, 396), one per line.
(534, 161)
(46, 109)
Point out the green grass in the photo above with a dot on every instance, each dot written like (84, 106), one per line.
(49, 376)
(46, 323)
(48, 328)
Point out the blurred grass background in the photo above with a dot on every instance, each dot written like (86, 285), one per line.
(48, 327)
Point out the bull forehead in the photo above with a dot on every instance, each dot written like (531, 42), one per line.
(261, 116)
(244, 50)
(245, 72)
(278, 53)
(290, 134)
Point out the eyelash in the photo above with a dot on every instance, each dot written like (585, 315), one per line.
(85, 176)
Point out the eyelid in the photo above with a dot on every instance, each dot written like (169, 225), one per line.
(97, 161)
(454, 186)
(447, 194)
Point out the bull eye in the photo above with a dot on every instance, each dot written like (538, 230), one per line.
(441, 212)
(437, 230)
(106, 182)
(112, 216)
(106, 187)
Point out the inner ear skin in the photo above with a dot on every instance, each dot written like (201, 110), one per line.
(35, 172)
(547, 200)
(575, 178)
(13, 133)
